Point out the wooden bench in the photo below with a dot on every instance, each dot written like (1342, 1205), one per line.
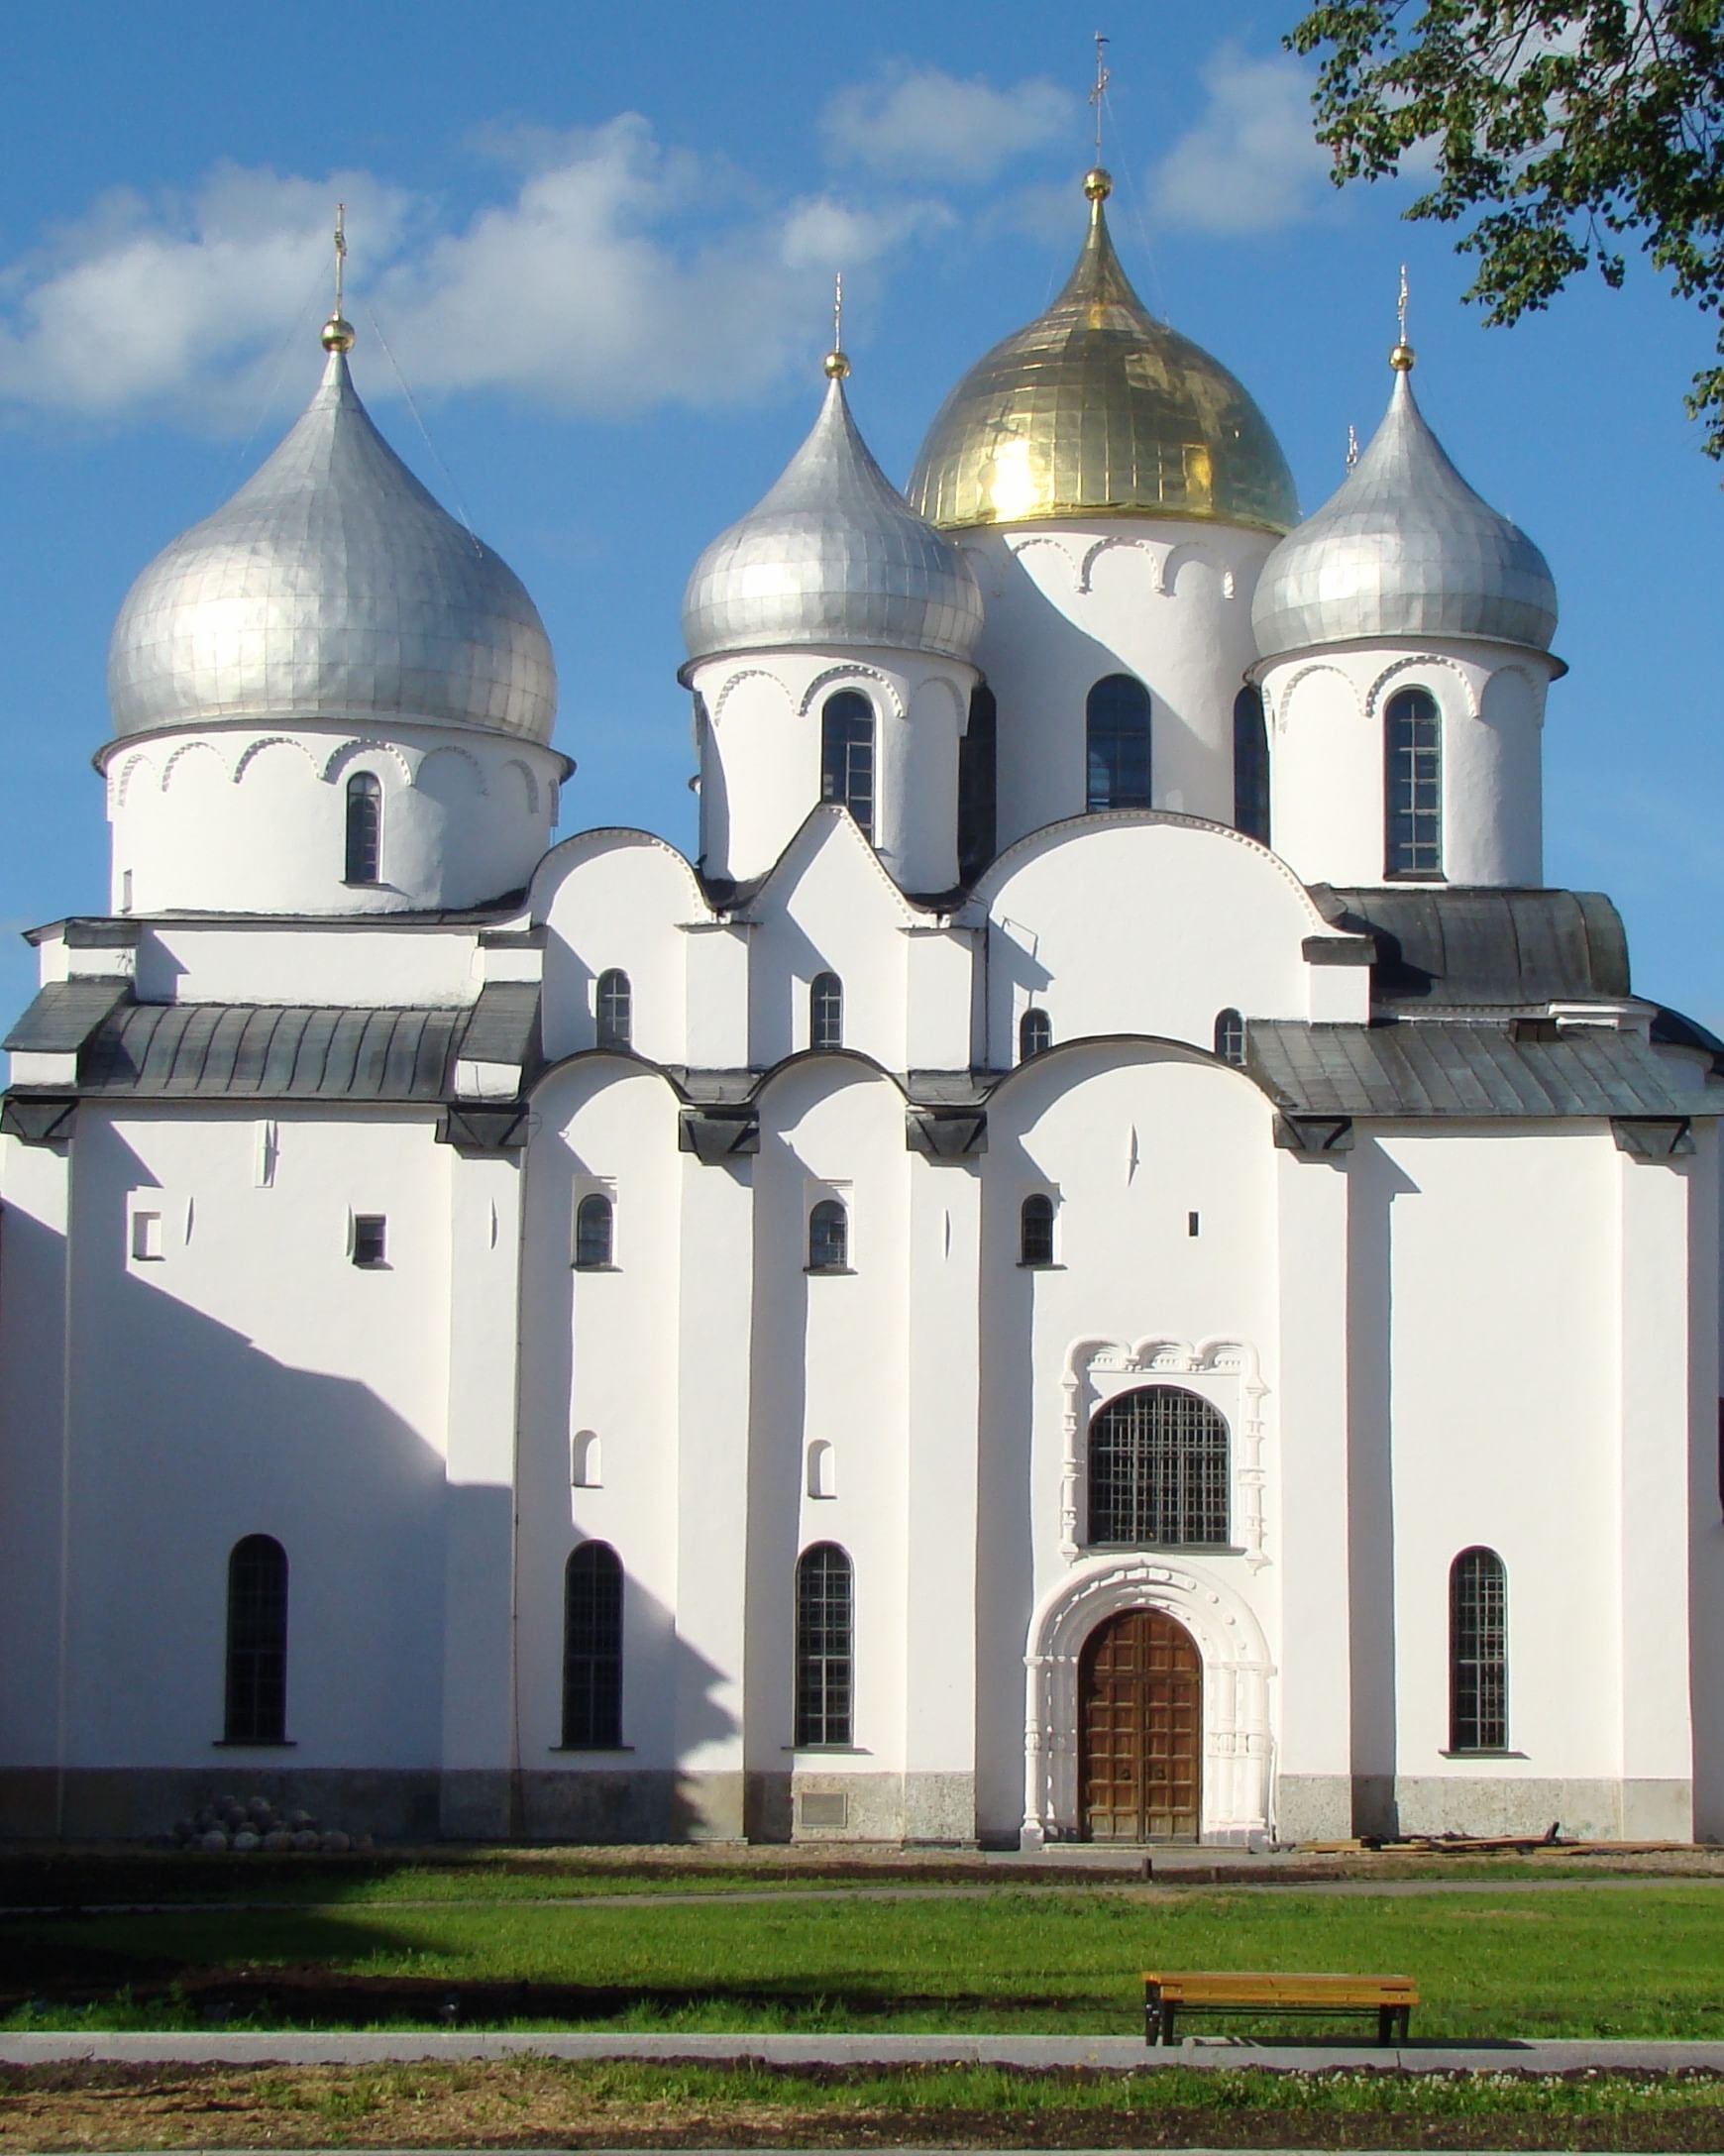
(1166, 1992)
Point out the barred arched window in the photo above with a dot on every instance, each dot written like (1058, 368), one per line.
(1230, 1036)
(594, 1224)
(1034, 1034)
(1159, 1468)
(826, 1649)
(1413, 785)
(256, 1686)
(1035, 1230)
(1477, 1653)
(1118, 730)
(616, 1008)
(592, 1649)
(825, 1011)
(365, 830)
(847, 755)
(1250, 766)
(829, 1237)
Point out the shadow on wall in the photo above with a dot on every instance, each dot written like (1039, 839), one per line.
(1010, 1490)
(777, 1392)
(1374, 1182)
(187, 1436)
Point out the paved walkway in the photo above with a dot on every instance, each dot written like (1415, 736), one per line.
(1118, 2053)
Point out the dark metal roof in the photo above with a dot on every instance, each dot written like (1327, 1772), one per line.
(268, 1051)
(65, 1013)
(1437, 1068)
(1441, 945)
(503, 1027)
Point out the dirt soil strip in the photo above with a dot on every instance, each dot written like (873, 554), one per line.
(535, 2105)
(1118, 2054)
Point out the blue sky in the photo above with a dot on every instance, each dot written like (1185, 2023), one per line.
(598, 244)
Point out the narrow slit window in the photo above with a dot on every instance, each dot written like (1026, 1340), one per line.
(1477, 1653)
(1250, 766)
(1413, 785)
(825, 1648)
(1117, 742)
(592, 1649)
(1035, 1230)
(828, 1238)
(364, 828)
(978, 787)
(847, 756)
(616, 1010)
(826, 1012)
(594, 1227)
(256, 1658)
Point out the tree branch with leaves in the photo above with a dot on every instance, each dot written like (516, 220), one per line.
(1564, 137)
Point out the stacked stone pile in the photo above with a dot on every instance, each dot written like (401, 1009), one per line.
(245, 1824)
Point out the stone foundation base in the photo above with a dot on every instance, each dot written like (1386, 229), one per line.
(1585, 1810)
(578, 1804)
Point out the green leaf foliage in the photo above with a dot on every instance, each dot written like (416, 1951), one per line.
(1563, 138)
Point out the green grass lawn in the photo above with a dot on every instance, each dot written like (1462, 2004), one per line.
(1577, 1962)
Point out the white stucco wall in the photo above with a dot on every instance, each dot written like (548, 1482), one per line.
(232, 819)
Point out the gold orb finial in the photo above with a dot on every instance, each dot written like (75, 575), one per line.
(1402, 358)
(1098, 183)
(337, 334)
(837, 365)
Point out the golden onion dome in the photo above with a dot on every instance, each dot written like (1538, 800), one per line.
(1097, 409)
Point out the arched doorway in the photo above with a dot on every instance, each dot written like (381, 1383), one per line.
(1140, 1730)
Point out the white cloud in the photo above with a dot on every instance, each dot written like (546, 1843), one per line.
(925, 124)
(1252, 161)
(604, 281)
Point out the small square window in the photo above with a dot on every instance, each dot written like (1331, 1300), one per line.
(146, 1237)
(369, 1238)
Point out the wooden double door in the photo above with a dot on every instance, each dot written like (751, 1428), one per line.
(1140, 1730)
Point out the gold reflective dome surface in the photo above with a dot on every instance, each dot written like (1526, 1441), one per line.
(1098, 408)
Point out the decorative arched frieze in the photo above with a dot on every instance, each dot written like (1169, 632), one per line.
(1237, 1674)
(344, 753)
(1532, 683)
(733, 682)
(943, 685)
(449, 751)
(1018, 549)
(1279, 709)
(126, 773)
(253, 749)
(1115, 544)
(1419, 663)
(1228, 1373)
(1181, 557)
(852, 671)
(529, 783)
(182, 752)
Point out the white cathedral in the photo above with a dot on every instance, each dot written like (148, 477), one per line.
(1107, 1262)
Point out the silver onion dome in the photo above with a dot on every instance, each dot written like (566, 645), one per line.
(833, 555)
(332, 586)
(1404, 548)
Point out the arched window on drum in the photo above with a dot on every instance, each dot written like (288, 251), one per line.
(1158, 1469)
(1117, 732)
